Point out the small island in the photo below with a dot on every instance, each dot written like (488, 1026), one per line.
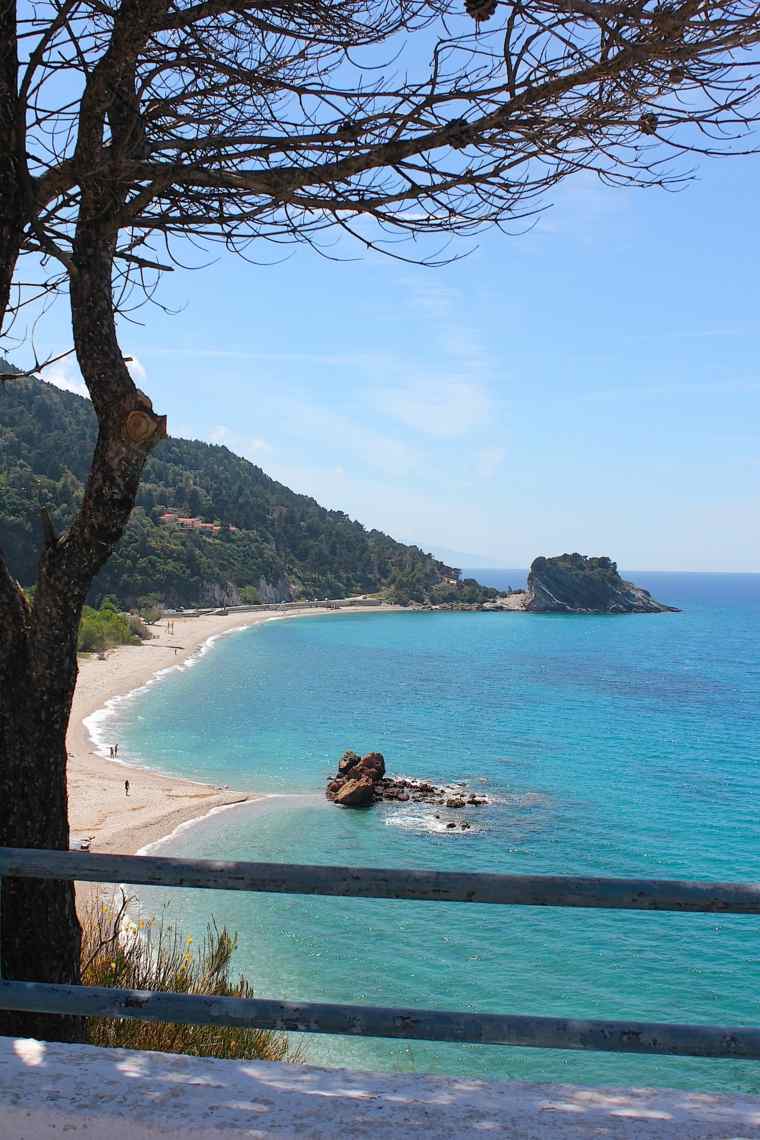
(578, 584)
(561, 584)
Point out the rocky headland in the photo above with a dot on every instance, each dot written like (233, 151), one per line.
(361, 781)
(567, 584)
(577, 584)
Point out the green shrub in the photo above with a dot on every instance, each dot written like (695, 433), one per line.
(102, 629)
(155, 956)
(138, 628)
(149, 608)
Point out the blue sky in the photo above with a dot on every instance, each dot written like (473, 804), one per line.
(593, 385)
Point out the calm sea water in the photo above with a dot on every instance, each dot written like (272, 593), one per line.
(609, 746)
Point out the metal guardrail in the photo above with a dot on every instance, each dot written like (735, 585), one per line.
(741, 1042)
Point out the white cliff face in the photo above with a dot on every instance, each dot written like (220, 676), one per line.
(278, 591)
(227, 593)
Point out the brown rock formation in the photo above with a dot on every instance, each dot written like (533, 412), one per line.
(347, 761)
(373, 762)
(355, 792)
(361, 780)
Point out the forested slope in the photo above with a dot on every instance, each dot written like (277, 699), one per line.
(285, 545)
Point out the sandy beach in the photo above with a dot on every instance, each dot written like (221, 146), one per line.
(156, 804)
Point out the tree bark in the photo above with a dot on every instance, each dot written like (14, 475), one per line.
(39, 930)
(40, 933)
(14, 179)
(39, 939)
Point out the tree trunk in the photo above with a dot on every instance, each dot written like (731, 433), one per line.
(13, 169)
(39, 935)
(39, 930)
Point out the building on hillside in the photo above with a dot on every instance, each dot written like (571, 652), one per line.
(192, 522)
(188, 522)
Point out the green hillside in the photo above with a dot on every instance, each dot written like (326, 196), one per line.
(285, 545)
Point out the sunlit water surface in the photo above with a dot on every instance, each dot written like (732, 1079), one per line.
(608, 745)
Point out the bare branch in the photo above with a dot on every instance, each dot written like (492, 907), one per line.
(236, 122)
(37, 367)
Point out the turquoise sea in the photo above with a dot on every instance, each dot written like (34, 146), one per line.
(609, 745)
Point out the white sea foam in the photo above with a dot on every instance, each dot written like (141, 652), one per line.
(416, 819)
(95, 727)
(423, 816)
(95, 724)
(459, 789)
(149, 848)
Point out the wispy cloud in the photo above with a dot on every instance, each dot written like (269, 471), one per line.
(300, 424)
(445, 408)
(725, 330)
(344, 359)
(667, 388)
(488, 461)
(341, 433)
(438, 300)
(136, 369)
(444, 391)
(65, 374)
(251, 447)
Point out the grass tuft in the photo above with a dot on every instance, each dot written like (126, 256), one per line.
(153, 955)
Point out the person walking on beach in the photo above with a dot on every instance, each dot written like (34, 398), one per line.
(112, 751)
(126, 787)
(115, 750)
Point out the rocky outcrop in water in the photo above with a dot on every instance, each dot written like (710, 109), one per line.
(577, 584)
(353, 792)
(361, 781)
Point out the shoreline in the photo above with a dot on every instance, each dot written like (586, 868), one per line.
(158, 804)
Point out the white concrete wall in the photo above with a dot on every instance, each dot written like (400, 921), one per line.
(76, 1092)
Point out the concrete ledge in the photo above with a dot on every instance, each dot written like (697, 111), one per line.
(53, 1090)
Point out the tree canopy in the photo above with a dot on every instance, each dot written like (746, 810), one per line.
(231, 121)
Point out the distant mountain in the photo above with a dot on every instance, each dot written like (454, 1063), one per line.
(209, 527)
(461, 558)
